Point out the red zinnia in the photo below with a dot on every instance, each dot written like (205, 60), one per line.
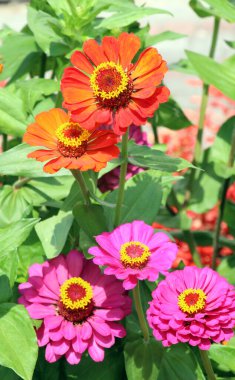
(68, 145)
(105, 87)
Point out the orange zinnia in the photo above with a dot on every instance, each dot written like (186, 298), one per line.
(105, 87)
(68, 144)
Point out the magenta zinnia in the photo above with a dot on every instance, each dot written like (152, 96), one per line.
(80, 307)
(193, 305)
(133, 252)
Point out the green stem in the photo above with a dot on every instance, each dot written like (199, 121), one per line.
(140, 313)
(85, 192)
(207, 365)
(224, 189)
(205, 89)
(43, 65)
(123, 170)
(21, 182)
(193, 247)
(4, 142)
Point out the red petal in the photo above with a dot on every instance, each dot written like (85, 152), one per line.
(150, 105)
(101, 139)
(129, 44)
(94, 51)
(148, 60)
(74, 77)
(80, 61)
(144, 93)
(153, 78)
(111, 48)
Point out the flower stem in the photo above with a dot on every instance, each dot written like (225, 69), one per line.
(120, 196)
(198, 156)
(207, 365)
(224, 189)
(140, 313)
(85, 192)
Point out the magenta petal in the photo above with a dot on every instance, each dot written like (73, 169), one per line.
(96, 352)
(37, 311)
(73, 357)
(50, 355)
(74, 261)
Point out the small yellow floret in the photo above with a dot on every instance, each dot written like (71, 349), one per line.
(82, 302)
(197, 306)
(134, 261)
(110, 94)
(71, 141)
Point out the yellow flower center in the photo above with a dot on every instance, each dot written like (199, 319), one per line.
(72, 139)
(192, 300)
(76, 293)
(109, 80)
(71, 134)
(134, 254)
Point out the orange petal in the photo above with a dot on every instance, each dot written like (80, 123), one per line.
(150, 105)
(73, 77)
(105, 154)
(56, 164)
(38, 141)
(101, 139)
(80, 61)
(111, 48)
(148, 60)
(52, 119)
(43, 155)
(129, 44)
(144, 93)
(136, 116)
(94, 51)
(75, 95)
(153, 78)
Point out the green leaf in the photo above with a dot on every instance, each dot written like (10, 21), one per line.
(161, 37)
(90, 218)
(18, 340)
(33, 90)
(130, 15)
(199, 8)
(220, 151)
(151, 361)
(170, 115)
(9, 264)
(222, 9)
(12, 205)
(231, 44)
(141, 155)
(12, 113)
(21, 53)
(226, 268)
(220, 75)
(26, 167)
(6, 292)
(223, 356)
(53, 232)
(138, 192)
(11, 237)
(46, 30)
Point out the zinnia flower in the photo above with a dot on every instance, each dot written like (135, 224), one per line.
(134, 252)
(193, 305)
(68, 145)
(80, 307)
(105, 87)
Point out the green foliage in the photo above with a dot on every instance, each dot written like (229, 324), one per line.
(18, 347)
(220, 75)
(171, 116)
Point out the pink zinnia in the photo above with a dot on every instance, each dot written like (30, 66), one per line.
(80, 307)
(134, 252)
(193, 305)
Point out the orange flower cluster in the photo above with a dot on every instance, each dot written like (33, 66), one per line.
(103, 88)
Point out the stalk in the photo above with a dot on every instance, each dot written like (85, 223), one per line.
(207, 365)
(140, 313)
(85, 191)
(123, 170)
